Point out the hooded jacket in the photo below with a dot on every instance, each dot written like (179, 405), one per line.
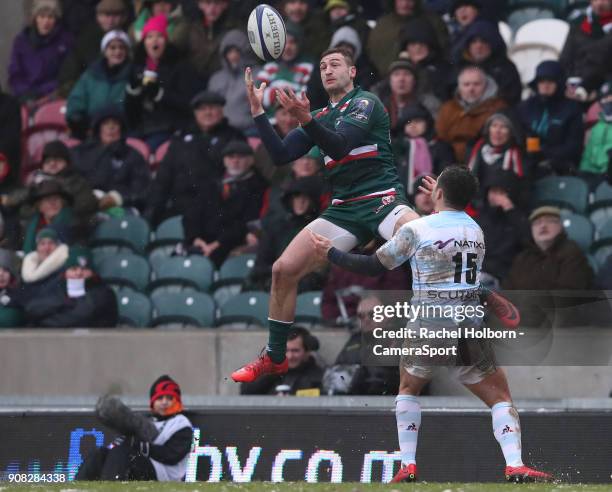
(555, 120)
(459, 123)
(597, 156)
(498, 65)
(229, 81)
(35, 60)
(383, 41)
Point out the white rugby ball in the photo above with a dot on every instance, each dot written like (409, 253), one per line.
(266, 31)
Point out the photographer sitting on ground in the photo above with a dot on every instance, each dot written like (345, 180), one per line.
(154, 447)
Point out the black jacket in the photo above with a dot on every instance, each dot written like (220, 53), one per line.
(305, 376)
(54, 309)
(10, 138)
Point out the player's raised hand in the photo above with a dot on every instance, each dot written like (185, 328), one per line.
(298, 107)
(254, 94)
(428, 185)
(321, 245)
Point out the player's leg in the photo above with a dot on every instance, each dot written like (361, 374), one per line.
(296, 261)
(400, 215)
(493, 390)
(408, 418)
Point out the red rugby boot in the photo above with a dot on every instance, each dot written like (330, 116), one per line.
(407, 473)
(259, 367)
(505, 311)
(520, 474)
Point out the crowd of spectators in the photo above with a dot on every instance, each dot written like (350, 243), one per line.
(170, 73)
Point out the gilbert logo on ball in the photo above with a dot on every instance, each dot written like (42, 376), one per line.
(267, 33)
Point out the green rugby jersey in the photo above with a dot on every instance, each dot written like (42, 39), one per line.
(369, 168)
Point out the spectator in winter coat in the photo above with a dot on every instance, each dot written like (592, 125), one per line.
(588, 48)
(152, 447)
(497, 151)
(311, 23)
(102, 84)
(400, 90)
(57, 165)
(341, 13)
(215, 227)
(552, 123)
(236, 55)
(304, 372)
(38, 51)
(53, 208)
(301, 201)
(345, 37)
(78, 299)
(178, 29)
(292, 70)
(485, 48)
(419, 45)
(383, 41)
(463, 13)
(160, 87)
(416, 149)
(460, 120)
(117, 172)
(10, 314)
(110, 15)
(596, 160)
(505, 226)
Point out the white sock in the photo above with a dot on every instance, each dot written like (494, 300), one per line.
(408, 416)
(507, 431)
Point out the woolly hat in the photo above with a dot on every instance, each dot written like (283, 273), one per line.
(207, 97)
(48, 233)
(332, 4)
(46, 6)
(111, 7)
(111, 36)
(56, 150)
(348, 35)
(159, 23)
(548, 70)
(164, 385)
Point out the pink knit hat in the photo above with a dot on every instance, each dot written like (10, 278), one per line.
(158, 23)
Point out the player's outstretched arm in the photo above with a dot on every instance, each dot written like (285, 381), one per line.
(335, 143)
(282, 151)
(362, 264)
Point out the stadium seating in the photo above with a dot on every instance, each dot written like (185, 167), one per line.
(180, 309)
(165, 238)
(135, 309)
(566, 192)
(528, 56)
(579, 229)
(51, 113)
(506, 33)
(231, 276)
(308, 307)
(600, 211)
(246, 308)
(551, 32)
(125, 270)
(129, 231)
(602, 247)
(178, 273)
(522, 12)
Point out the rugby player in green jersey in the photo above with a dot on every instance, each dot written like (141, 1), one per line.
(368, 201)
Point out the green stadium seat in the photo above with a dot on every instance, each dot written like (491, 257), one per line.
(600, 210)
(135, 309)
(602, 247)
(99, 253)
(130, 231)
(180, 309)
(308, 307)
(593, 262)
(250, 308)
(579, 229)
(126, 270)
(231, 276)
(180, 272)
(166, 236)
(524, 11)
(566, 192)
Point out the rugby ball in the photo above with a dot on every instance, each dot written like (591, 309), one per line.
(266, 31)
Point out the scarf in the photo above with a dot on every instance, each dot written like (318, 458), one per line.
(510, 157)
(596, 26)
(419, 161)
(229, 180)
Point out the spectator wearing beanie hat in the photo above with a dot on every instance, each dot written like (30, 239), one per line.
(341, 13)
(37, 53)
(10, 314)
(152, 447)
(103, 83)
(57, 165)
(552, 123)
(160, 86)
(178, 29)
(110, 15)
(79, 299)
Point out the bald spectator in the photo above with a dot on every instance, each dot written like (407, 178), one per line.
(460, 120)
(383, 41)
